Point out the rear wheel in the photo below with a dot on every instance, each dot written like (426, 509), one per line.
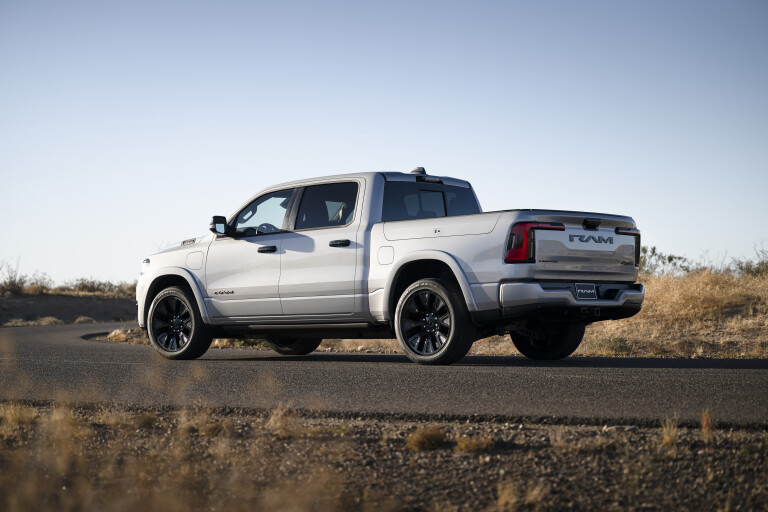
(549, 341)
(294, 347)
(175, 327)
(432, 323)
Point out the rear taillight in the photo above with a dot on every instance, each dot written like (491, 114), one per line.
(635, 233)
(520, 248)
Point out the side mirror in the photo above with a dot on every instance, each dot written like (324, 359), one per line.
(219, 226)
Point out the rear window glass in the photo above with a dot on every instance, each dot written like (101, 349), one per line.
(406, 200)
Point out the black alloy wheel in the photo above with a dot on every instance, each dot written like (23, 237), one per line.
(426, 322)
(432, 323)
(172, 324)
(175, 326)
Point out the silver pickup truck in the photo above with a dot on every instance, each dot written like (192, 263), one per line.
(381, 255)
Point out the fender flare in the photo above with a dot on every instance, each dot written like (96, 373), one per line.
(192, 280)
(441, 256)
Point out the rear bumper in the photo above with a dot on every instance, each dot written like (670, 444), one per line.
(557, 301)
(610, 295)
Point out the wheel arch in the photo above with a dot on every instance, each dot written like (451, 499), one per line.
(422, 265)
(174, 276)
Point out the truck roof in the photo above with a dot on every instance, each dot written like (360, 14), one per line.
(388, 176)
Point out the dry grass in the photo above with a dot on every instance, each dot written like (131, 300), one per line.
(379, 346)
(60, 457)
(239, 343)
(669, 432)
(283, 423)
(707, 427)
(429, 438)
(535, 495)
(509, 498)
(46, 320)
(135, 336)
(703, 314)
(113, 458)
(13, 419)
(84, 320)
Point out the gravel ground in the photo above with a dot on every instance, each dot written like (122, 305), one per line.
(109, 458)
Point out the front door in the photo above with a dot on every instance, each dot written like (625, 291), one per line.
(243, 272)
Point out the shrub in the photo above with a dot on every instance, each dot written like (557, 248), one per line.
(430, 438)
(37, 284)
(658, 263)
(90, 285)
(753, 268)
(11, 280)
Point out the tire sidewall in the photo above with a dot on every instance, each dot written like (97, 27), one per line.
(193, 345)
(569, 341)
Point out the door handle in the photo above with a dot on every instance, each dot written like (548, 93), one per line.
(267, 248)
(339, 243)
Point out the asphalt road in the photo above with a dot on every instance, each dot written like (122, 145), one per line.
(56, 363)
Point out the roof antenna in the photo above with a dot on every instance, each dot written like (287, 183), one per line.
(419, 170)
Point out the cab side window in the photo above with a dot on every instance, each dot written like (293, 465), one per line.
(328, 205)
(408, 200)
(264, 215)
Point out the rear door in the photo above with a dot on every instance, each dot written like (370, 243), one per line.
(320, 255)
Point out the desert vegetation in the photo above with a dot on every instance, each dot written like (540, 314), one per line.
(59, 456)
(34, 299)
(14, 282)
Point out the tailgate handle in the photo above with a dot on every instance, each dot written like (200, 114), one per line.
(591, 223)
(339, 243)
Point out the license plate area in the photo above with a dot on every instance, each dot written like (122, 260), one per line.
(586, 291)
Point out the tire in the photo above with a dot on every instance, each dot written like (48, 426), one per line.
(175, 327)
(294, 347)
(432, 323)
(549, 341)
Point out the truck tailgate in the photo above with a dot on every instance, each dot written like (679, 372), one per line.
(592, 247)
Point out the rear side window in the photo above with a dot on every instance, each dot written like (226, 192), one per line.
(405, 200)
(329, 205)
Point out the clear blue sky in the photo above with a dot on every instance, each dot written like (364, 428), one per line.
(125, 126)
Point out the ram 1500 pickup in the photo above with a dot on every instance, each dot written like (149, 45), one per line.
(381, 255)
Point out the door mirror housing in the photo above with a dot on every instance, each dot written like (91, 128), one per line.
(220, 227)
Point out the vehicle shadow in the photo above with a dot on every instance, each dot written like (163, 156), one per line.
(519, 361)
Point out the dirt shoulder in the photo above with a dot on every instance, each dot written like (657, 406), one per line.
(106, 457)
(51, 309)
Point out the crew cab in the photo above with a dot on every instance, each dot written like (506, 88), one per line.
(388, 254)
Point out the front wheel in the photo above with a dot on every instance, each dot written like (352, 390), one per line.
(294, 347)
(432, 323)
(549, 341)
(175, 327)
